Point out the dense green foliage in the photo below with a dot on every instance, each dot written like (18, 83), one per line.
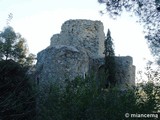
(17, 99)
(109, 60)
(84, 100)
(17, 95)
(13, 46)
(7, 40)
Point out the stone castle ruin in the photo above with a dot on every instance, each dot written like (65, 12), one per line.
(77, 51)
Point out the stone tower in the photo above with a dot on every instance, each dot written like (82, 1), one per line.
(84, 35)
(76, 51)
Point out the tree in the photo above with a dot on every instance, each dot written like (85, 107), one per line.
(148, 12)
(13, 46)
(81, 100)
(109, 46)
(20, 50)
(17, 99)
(10, 16)
(30, 59)
(109, 59)
(7, 40)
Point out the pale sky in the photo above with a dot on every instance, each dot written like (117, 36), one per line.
(38, 20)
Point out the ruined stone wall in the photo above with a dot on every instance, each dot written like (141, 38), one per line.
(85, 35)
(75, 52)
(125, 70)
(56, 64)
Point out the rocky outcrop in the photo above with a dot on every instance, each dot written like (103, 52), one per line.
(78, 51)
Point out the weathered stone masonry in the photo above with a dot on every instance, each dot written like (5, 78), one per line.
(76, 51)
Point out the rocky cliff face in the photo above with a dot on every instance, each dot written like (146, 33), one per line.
(76, 51)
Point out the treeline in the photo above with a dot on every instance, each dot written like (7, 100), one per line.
(17, 95)
(82, 99)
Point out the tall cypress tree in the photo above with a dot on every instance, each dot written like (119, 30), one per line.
(109, 60)
(109, 46)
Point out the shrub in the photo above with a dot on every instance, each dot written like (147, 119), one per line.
(17, 101)
(82, 99)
